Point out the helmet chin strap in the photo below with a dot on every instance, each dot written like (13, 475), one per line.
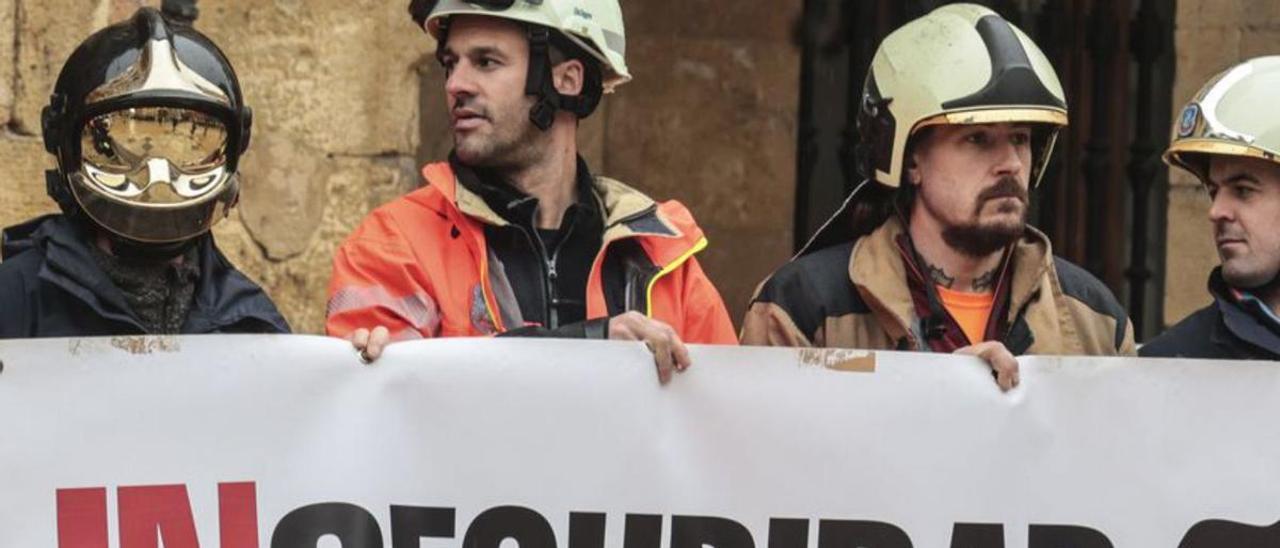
(55, 185)
(540, 84)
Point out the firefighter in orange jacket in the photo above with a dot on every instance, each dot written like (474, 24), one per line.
(513, 235)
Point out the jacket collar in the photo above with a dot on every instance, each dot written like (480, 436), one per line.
(514, 207)
(224, 297)
(1032, 260)
(69, 265)
(1241, 318)
(879, 272)
(880, 276)
(627, 212)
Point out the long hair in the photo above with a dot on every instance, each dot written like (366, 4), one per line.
(876, 204)
(870, 205)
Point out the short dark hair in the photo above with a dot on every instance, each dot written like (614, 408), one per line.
(563, 49)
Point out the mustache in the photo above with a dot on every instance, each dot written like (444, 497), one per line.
(1223, 231)
(1006, 187)
(468, 107)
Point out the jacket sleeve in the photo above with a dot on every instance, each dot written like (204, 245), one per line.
(767, 323)
(15, 301)
(377, 281)
(1128, 347)
(706, 320)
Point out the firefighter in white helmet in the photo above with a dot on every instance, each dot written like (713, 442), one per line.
(514, 235)
(1228, 136)
(958, 118)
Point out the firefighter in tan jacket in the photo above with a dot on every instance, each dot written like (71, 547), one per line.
(958, 117)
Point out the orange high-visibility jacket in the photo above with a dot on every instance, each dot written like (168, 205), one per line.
(420, 266)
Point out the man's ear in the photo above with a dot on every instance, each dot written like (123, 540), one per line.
(568, 77)
(912, 167)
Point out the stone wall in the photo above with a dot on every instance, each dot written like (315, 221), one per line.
(348, 101)
(1211, 35)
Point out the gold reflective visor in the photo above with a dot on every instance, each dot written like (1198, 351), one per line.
(124, 140)
(154, 155)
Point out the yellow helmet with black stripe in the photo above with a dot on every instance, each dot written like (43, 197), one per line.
(959, 64)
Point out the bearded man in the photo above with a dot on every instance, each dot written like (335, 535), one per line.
(958, 118)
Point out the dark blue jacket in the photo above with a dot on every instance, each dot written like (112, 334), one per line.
(50, 286)
(1230, 328)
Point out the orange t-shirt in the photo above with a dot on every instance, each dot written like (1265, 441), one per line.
(971, 310)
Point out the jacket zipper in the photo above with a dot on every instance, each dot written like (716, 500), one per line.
(549, 273)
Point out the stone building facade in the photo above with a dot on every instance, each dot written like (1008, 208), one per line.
(348, 103)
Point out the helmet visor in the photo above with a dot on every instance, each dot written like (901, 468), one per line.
(128, 153)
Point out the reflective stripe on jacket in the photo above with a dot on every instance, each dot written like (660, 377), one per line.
(856, 295)
(420, 266)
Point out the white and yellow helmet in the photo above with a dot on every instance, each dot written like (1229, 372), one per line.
(1232, 115)
(959, 64)
(594, 25)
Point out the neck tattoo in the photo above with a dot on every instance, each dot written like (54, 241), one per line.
(940, 276)
(981, 284)
(986, 282)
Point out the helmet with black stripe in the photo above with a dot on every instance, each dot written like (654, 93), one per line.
(959, 64)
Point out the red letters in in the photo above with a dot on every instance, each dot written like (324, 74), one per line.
(153, 512)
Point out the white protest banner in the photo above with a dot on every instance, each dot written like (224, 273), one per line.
(282, 442)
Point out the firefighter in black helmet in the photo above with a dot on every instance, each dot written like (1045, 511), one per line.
(147, 124)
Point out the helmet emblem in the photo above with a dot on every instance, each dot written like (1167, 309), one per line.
(1187, 124)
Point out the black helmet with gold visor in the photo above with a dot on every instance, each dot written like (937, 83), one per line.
(148, 124)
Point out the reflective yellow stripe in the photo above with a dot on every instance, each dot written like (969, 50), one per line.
(648, 294)
(1045, 115)
(1217, 146)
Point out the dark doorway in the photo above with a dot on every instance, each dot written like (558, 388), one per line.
(1103, 199)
